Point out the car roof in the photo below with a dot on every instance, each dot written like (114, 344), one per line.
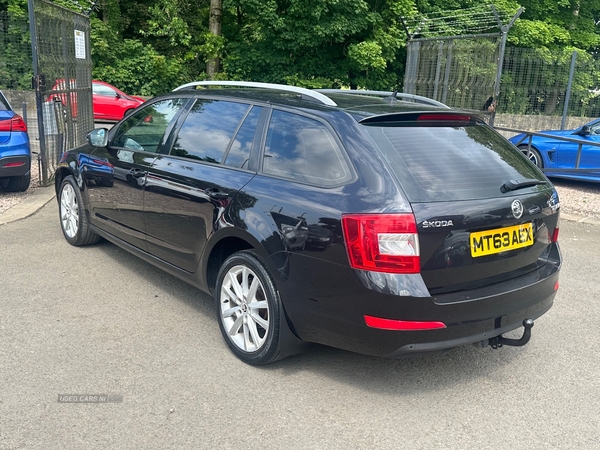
(356, 104)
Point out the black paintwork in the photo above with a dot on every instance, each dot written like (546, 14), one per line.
(187, 216)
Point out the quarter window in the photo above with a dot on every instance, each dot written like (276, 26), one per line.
(303, 149)
(145, 129)
(207, 131)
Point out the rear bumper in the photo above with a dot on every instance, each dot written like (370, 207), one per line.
(335, 316)
(15, 166)
(483, 331)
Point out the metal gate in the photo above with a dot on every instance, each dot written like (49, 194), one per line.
(62, 70)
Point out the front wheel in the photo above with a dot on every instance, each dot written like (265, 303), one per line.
(533, 155)
(73, 221)
(249, 309)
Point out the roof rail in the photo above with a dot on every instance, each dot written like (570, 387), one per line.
(280, 87)
(401, 95)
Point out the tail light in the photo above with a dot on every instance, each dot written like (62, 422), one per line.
(382, 242)
(16, 123)
(554, 237)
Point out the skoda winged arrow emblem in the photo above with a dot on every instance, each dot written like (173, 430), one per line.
(517, 209)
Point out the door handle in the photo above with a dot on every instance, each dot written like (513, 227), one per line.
(137, 173)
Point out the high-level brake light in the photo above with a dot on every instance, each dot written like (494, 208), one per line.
(444, 117)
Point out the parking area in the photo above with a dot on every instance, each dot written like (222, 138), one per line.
(99, 321)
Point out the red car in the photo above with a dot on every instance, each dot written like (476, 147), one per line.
(109, 102)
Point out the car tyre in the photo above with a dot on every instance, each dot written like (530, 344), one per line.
(73, 220)
(249, 309)
(533, 156)
(18, 184)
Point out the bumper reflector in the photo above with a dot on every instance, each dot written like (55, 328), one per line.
(401, 325)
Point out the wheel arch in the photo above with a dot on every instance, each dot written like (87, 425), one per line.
(234, 240)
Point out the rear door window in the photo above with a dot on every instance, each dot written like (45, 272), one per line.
(442, 163)
(239, 150)
(303, 149)
(207, 130)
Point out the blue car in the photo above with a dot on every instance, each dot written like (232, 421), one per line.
(15, 151)
(558, 158)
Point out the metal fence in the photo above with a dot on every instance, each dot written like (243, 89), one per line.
(550, 89)
(62, 69)
(46, 72)
(16, 70)
(458, 71)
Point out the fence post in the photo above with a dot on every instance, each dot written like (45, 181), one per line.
(568, 94)
(38, 91)
(447, 74)
(438, 68)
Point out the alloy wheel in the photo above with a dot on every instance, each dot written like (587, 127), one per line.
(244, 308)
(69, 211)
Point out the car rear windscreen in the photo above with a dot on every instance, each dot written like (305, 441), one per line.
(3, 104)
(443, 163)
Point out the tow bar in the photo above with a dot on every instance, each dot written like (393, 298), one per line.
(499, 341)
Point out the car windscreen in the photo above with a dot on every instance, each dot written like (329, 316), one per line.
(436, 162)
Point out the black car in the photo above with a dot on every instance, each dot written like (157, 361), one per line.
(380, 223)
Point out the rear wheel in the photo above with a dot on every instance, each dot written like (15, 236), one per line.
(18, 184)
(533, 155)
(249, 309)
(73, 221)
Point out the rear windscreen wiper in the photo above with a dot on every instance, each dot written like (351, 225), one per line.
(512, 185)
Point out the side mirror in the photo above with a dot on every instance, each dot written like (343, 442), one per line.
(585, 131)
(98, 137)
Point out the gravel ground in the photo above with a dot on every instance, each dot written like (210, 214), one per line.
(575, 197)
(10, 199)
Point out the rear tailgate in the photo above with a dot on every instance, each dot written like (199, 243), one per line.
(5, 116)
(484, 213)
(485, 243)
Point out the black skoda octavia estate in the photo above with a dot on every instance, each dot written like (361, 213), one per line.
(381, 223)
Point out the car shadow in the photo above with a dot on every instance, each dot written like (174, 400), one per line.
(401, 376)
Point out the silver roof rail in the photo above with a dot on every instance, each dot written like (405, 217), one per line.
(400, 95)
(280, 87)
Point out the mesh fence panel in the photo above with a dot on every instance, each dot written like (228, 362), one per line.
(458, 72)
(65, 79)
(534, 89)
(16, 70)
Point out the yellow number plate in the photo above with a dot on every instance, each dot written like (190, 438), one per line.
(500, 240)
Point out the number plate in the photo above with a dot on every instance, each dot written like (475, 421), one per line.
(501, 239)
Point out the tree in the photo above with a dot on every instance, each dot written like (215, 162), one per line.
(214, 28)
(315, 43)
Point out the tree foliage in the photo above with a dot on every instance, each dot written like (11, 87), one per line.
(150, 46)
